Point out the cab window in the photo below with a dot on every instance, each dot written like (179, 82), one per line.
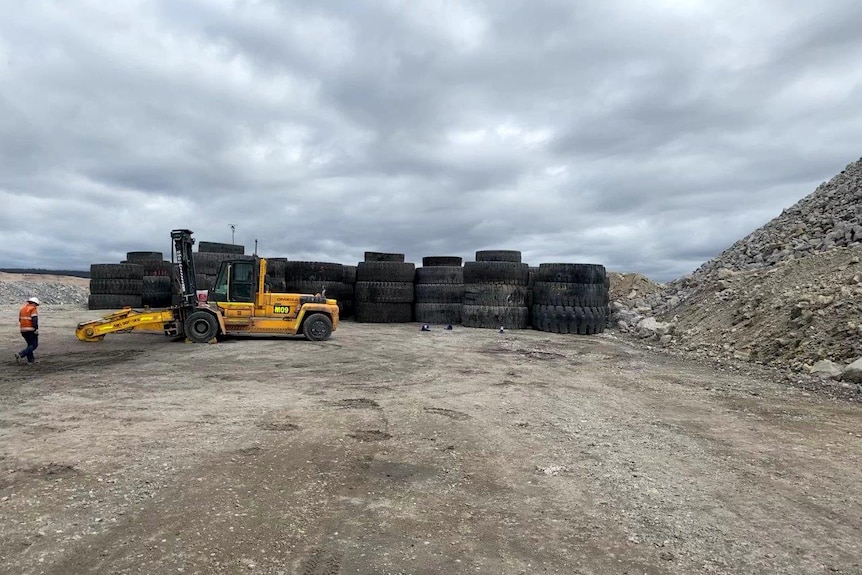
(235, 282)
(219, 289)
(241, 282)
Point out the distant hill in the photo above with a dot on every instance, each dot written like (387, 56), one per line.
(73, 273)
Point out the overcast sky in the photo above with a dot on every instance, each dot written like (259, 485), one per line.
(646, 136)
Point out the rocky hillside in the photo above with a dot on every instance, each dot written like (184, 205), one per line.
(51, 290)
(829, 217)
(795, 313)
(789, 294)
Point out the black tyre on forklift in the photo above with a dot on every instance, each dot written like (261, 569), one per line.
(201, 326)
(317, 327)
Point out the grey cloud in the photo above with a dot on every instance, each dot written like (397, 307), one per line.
(648, 138)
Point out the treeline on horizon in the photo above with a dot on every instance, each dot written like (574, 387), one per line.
(73, 273)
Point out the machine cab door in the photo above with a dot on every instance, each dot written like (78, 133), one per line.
(235, 282)
(234, 292)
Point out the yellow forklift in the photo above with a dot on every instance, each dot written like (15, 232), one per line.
(241, 305)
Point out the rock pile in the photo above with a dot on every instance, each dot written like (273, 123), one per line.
(787, 295)
(829, 217)
(51, 293)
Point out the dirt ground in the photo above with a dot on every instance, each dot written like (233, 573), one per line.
(388, 450)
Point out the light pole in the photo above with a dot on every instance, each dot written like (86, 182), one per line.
(232, 232)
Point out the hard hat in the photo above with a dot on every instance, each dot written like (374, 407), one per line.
(34, 299)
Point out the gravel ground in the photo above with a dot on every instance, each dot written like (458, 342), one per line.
(390, 450)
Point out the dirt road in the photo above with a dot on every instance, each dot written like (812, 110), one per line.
(388, 450)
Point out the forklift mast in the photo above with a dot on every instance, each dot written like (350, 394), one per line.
(183, 243)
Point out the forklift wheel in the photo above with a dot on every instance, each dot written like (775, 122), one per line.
(201, 326)
(317, 327)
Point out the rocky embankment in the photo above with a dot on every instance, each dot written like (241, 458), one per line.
(788, 295)
(51, 290)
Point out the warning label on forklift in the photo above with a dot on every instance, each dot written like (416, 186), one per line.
(280, 309)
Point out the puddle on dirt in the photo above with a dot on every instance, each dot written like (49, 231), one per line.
(365, 387)
(469, 371)
(399, 471)
(539, 354)
(450, 413)
(50, 470)
(226, 377)
(39, 429)
(88, 359)
(278, 426)
(70, 363)
(370, 435)
(508, 382)
(530, 353)
(355, 403)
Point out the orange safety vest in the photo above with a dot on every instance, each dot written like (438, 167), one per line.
(26, 315)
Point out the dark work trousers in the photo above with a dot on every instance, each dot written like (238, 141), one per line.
(32, 340)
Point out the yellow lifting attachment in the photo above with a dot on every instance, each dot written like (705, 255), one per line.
(128, 319)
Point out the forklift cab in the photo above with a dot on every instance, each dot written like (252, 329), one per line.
(235, 282)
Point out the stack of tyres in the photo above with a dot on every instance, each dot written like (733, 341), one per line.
(346, 303)
(350, 275)
(384, 289)
(383, 257)
(531, 282)
(512, 256)
(206, 268)
(608, 301)
(220, 248)
(496, 290)
(342, 292)
(275, 275)
(114, 286)
(439, 290)
(315, 278)
(142, 257)
(208, 259)
(157, 282)
(570, 298)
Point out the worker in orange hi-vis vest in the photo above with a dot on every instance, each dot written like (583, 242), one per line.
(28, 319)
